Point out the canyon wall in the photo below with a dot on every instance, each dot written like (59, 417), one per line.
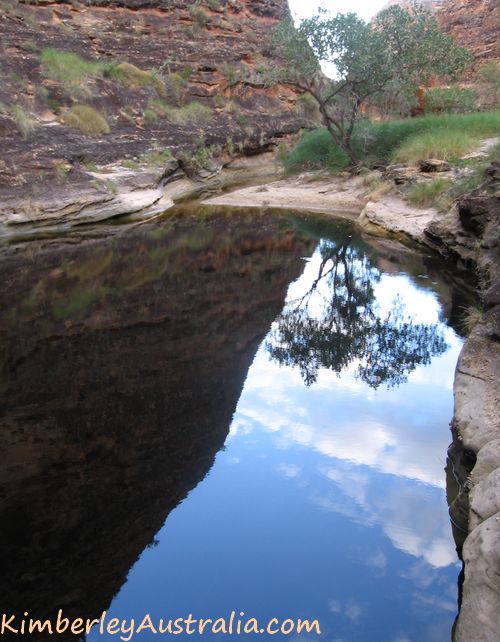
(142, 65)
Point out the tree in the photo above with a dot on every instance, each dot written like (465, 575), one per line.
(337, 322)
(398, 48)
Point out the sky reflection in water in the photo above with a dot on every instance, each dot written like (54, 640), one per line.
(328, 502)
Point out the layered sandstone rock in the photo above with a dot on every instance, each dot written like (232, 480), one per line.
(213, 53)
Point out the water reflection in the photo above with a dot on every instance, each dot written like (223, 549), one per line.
(337, 320)
(124, 361)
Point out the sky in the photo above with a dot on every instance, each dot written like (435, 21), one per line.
(364, 8)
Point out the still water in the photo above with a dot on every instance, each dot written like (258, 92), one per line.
(246, 413)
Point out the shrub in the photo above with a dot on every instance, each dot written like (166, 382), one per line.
(197, 14)
(489, 74)
(73, 72)
(69, 68)
(86, 119)
(426, 194)
(382, 142)
(150, 116)
(450, 100)
(129, 74)
(24, 122)
(178, 84)
(194, 112)
(232, 73)
(309, 108)
(471, 316)
(156, 157)
(203, 157)
(315, 150)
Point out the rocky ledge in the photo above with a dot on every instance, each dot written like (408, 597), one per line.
(472, 236)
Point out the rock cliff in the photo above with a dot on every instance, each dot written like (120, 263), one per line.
(470, 234)
(474, 24)
(187, 77)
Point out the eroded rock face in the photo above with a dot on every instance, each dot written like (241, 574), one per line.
(474, 24)
(119, 380)
(471, 234)
(212, 53)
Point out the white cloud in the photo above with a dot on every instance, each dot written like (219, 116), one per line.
(364, 8)
(289, 470)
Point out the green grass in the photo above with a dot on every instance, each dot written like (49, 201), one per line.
(156, 157)
(86, 119)
(194, 112)
(427, 194)
(23, 120)
(150, 116)
(443, 144)
(133, 76)
(396, 139)
(70, 69)
(74, 72)
(78, 303)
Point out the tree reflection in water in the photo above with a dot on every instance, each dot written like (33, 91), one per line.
(338, 321)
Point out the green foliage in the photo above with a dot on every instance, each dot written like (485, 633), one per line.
(494, 153)
(86, 119)
(133, 76)
(450, 100)
(75, 72)
(203, 157)
(398, 47)
(178, 83)
(381, 142)
(77, 303)
(62, 170)
(69, 69)
(489, 74)
(130, 163)
(441, 144)
(426, 194)
(156, 157)
(308, 107)
(232, 73)
(194, 112)
(316, 149)
(24, 123)
(150, 116)
(197, 14)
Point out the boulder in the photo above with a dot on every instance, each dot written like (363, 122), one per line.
(433, 165)
(400, 174)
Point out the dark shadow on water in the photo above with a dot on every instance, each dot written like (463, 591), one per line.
(123, 361)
